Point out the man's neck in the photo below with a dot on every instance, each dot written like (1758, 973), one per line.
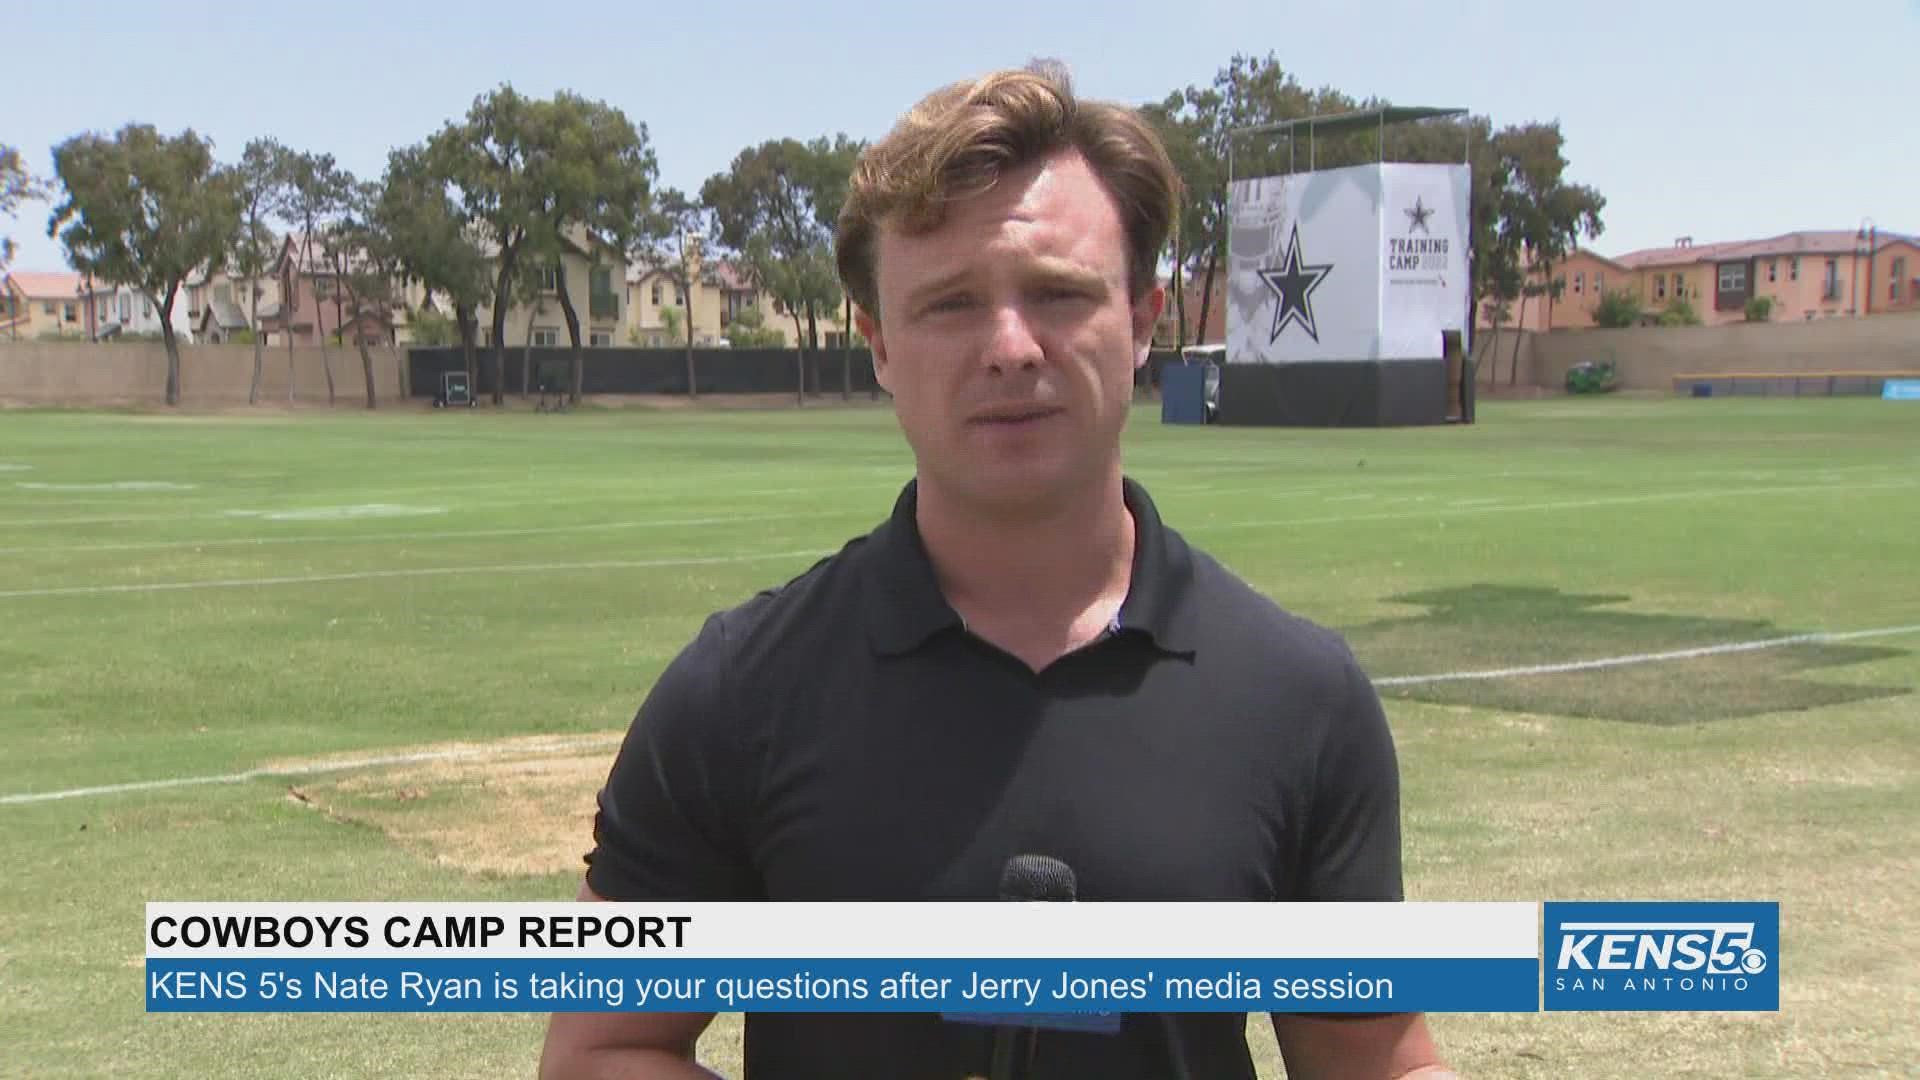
(1040, 584)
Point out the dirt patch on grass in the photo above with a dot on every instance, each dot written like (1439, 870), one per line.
(514, 807)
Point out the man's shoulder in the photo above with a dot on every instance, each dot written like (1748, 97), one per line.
(821, 604)
(1233, 608)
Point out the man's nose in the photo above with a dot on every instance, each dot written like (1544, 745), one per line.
(1011, 343)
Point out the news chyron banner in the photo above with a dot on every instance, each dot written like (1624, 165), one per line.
(1361, 263)
(956, 959)
(1047, 964)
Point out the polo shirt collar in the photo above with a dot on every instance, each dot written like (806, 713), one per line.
(905, 606)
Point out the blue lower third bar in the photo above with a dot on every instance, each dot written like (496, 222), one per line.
(841, 985)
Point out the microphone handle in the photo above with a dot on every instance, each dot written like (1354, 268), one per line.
(1176, 1047)
(1012, 1053)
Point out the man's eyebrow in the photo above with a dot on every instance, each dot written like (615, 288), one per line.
(937, 285)
(1063, 272)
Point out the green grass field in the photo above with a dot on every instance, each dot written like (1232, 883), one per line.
(194, 596)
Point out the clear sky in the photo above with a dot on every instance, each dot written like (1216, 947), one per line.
(1722, 120)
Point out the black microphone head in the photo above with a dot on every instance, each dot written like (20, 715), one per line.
(1036, 877)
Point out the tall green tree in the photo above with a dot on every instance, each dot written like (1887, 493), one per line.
(770, 206)
(1202, 122)
(669, 242)
(362, 260)
(144, 210)
(435, 242)
(1541, 216)
(487, 157)
(834, 161)
(259, 179)
(17, 186)
(590, 175)
(313, 197)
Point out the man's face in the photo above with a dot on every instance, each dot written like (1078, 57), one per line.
(1008, 338)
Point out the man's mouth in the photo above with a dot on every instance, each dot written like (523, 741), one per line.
(1013, 416)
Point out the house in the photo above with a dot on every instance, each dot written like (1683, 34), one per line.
(41, 304)
(1808, 275)
(1812, 274)
(309, 304)
(722, 290)
(592, 266)
(114, 310)
(218, 304)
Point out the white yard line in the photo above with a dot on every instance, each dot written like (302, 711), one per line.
(1646, 658)
(442, 534)
(586, 742)
(1558, 504)
(417, 571)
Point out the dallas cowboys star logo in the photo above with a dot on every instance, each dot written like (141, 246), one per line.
(1417, 217)
(1293, 284)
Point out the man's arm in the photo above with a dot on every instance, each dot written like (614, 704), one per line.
(1387, 1047)
(622, 1046)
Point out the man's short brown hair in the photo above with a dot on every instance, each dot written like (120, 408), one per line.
(959, 140)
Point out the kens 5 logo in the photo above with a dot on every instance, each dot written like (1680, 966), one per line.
(1661, 957)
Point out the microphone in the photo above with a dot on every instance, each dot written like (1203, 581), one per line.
(1027, 877)
(1042, 877)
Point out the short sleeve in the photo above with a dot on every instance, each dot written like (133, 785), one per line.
(672, 819)
(1351, 849)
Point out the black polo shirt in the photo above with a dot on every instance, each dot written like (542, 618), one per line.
(844, 737)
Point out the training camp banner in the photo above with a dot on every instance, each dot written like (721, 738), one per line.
(1057, 964)
(1362, 263)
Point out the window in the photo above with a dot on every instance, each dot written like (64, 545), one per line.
(656, 294)
(1579, 282)
(146, 309)
(1659, 286)
(546, 336)
(600, 339)
(549, 279)
(126, 307)
(1899, 275)
(72, 312)
(1679, 286)
(1831, 289)
(675, 293)
(1733, 277)
(50, 307)
(1773, 271)
(1793, 269)
(1599, 282)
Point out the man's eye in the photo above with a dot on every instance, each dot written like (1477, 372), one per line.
(956, 302)
(1054, 294)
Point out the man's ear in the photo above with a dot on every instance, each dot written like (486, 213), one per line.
(1146, 316)
(869, 328)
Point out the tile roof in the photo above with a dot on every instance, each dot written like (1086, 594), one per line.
(1804, 242)
(38, 283)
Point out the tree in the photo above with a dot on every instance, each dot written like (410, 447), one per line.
(258, 179)
(1617, 308)
(590, 175)
(363, 260)
(485, 158)
(669, 243)
(17, 185)
(769, 207)
(435, 242)
(1540, 213)
(314, 195)
(749, 330)
(834, 163)
(1199, 121)
(1679, 312)
(144, 210)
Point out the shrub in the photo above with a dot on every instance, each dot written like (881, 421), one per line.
(1759, 308)
(1592, 377)
(1679, 312)
(1617, 309)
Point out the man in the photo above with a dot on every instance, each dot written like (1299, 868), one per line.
(1023, 659)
